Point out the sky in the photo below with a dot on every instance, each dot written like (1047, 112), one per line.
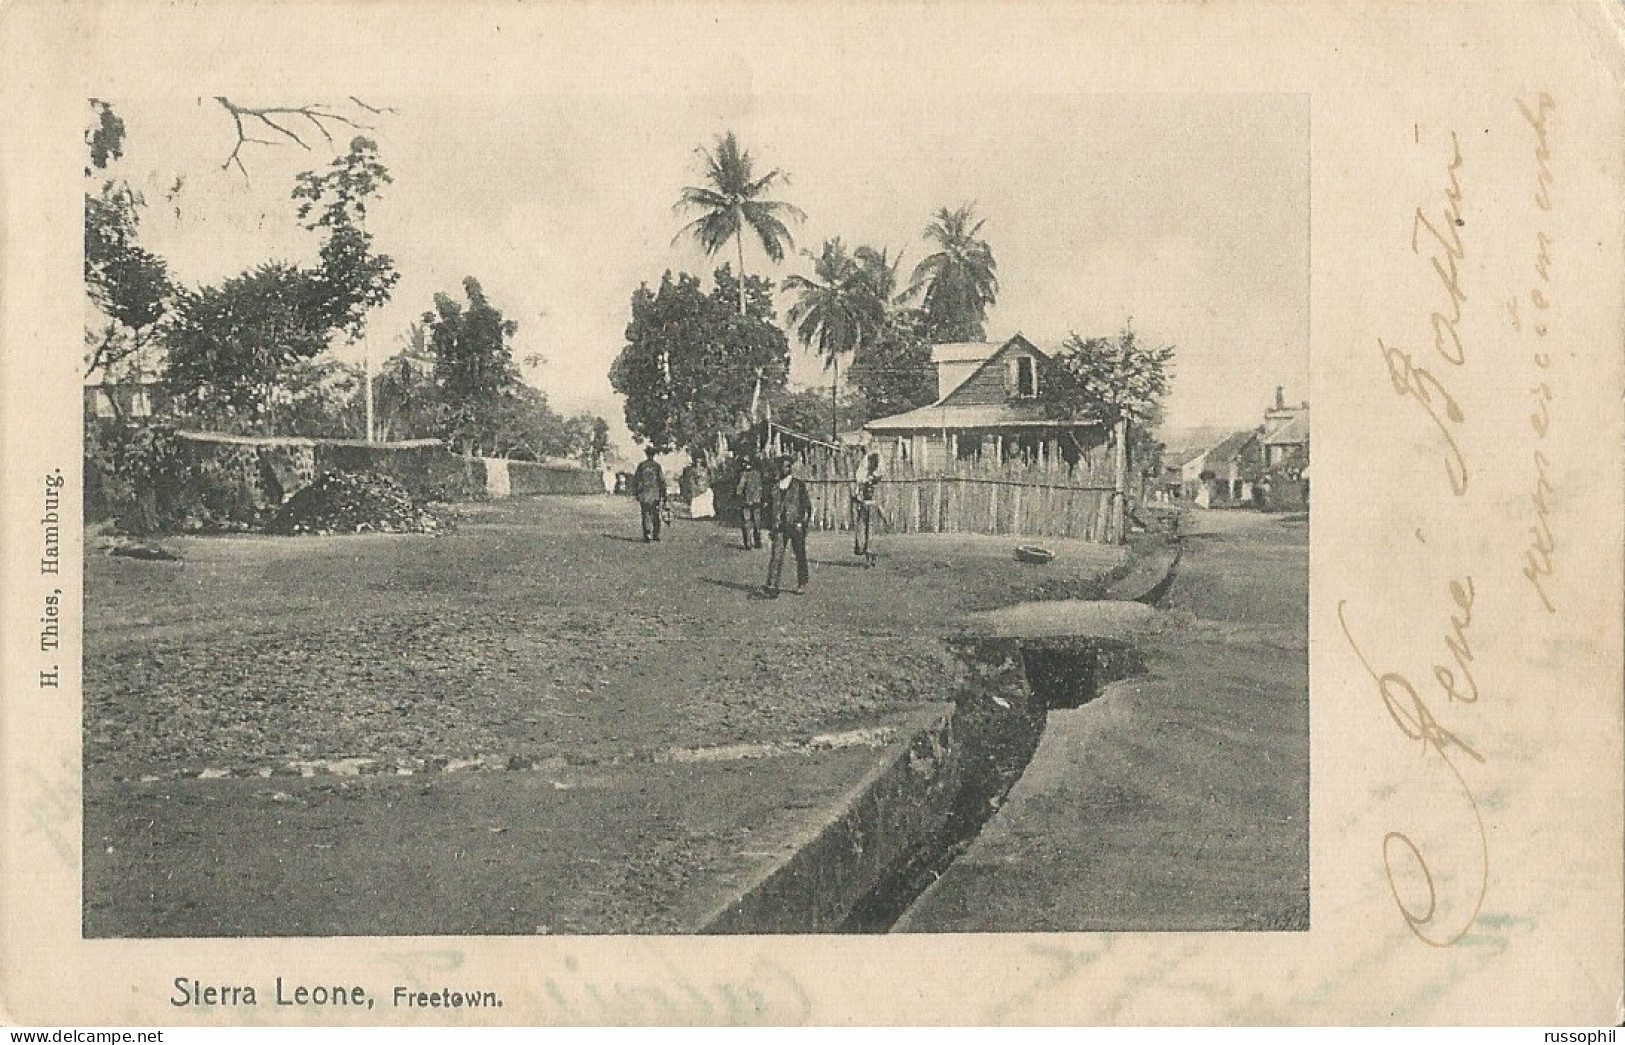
(1188, 213)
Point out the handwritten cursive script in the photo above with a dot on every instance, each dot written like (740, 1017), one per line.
(1442, 234)
(1416, 720)
(1446, 328)
(1539, 554)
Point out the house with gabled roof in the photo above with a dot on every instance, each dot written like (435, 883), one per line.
(1264, 467)
(1223, 473)
(988, 407)
(1285, 435)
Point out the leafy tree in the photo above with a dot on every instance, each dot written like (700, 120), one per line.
(879, 271)
(518, 422)
(230, 345)
(406, 399)
(526, 427)
(1146, 451)
(731, 203)
(321, 397)
(105, 139)
(600, 451)
(353, 279)
(690, 363)
(1111, 379)
(958, 280)
(128, 284)
(474, 369)
(893, 371)
(808, 411)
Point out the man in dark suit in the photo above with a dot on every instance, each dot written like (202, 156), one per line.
(649, 487)
(789, 510)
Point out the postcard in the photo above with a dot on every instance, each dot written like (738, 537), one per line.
(769, 514)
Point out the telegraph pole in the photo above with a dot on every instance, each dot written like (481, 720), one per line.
(834, 404)
(366, 382)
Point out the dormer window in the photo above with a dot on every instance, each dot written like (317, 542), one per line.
(1025, 376)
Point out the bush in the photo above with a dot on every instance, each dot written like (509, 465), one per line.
(344, 502)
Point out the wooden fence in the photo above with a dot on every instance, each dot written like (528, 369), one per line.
(975, 497)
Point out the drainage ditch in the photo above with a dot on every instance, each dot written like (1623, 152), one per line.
(996, 731)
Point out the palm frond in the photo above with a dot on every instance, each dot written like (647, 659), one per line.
(713, 230)
(695, 196)
(773, 233)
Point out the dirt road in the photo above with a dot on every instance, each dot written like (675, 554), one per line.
(578, 668)
(1179, 799)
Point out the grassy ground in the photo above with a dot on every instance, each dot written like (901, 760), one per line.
(542, 633)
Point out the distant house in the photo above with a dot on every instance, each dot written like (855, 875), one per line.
(129, 400)
(1265, 468)
(1224, 473)
(1285, 435)
(1285, 440)
(987, 407)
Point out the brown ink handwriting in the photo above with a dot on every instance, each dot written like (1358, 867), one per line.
(1421, 384)
(1446, 328)
(1447, 251)
(1539, 554)
(1411, 713)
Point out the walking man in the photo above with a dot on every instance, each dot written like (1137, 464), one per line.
(789, 510)
(649, 487)
(748, 492)
(864, 488)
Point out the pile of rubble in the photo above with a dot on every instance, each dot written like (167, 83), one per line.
(345, 502)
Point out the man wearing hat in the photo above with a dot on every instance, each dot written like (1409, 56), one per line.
(789, 510)
(649, 487)
(749, 493)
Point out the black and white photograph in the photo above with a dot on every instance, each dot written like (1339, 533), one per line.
(771, 514)
(695, 516)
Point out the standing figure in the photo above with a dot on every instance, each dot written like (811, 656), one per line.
(789, 510)
(748, 492)
(864, 488)
(700, 505)
(649, 487)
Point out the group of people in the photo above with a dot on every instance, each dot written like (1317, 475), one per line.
(773, 497)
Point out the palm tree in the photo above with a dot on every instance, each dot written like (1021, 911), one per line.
(958, 280)
(880, 270)
(731, 202)
(844, 305)
(837, 308)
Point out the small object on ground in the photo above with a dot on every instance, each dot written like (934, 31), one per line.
(151, 552)
(1032, 553)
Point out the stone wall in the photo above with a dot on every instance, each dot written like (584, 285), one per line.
(149, 479)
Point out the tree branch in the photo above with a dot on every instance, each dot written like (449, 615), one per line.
(318, 115)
